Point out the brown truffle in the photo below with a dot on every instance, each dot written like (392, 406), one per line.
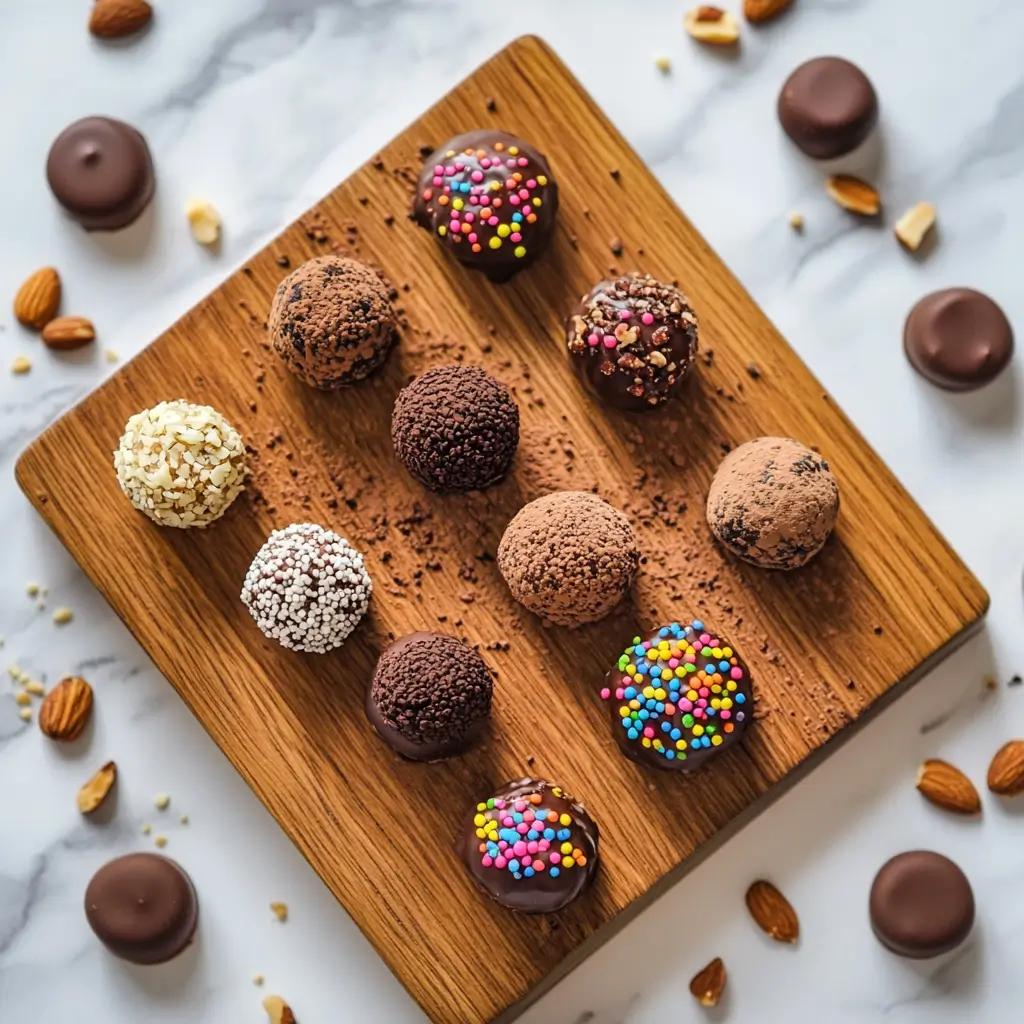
(773, 502)
(332, 322)
(569, 557)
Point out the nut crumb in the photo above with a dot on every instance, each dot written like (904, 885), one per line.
(25, 714)
(21, 364)
(32, 590)
(280, 911)
(62, 616)
(161, 801)
(161, 841)
(257, 979)
(204, 221)
(184, 819)
(35, 687)
(796, 221)
(111, 356)
(663, 64)
(22, 698)
(146, 829)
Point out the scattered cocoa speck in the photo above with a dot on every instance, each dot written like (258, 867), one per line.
(879, 631)
(1015, 681)
(616, 246)
(247, 271)
(529, 761)
(708, 355)
(492, 104)
(378, 163)
(850, 684)
(283, 261)
(615, 173)
(364, 201)
(389, 220)
(753, 370)
(989, 682)
(425, 151)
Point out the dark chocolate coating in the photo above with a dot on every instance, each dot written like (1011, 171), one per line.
(633, 362)
(430, 696)
(550, 887)
(958, 339)
(478, 166)
(142, 907)
(704, 716)
(828, 107)
(921, 905)
(100, 170)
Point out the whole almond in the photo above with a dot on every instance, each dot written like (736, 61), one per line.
(854, 195)
(762, 10)
(712, 25)
(65, 709)
(68, 332)
(278, 1010)
(112, 19)
(948, 787)
(772, 912)
(1006, 772)
(38, 299)
(97, 789)
(707, 984)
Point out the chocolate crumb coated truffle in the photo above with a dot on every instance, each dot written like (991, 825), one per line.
(828, 107)
(773, 502)
(430, 696)
(456, 428)
(143, 908)
(569, 557)
(100, 170)
(921, 905)
(307, 588)
(678, 697)
(530, 847)
(958, 338)
(634, 339)
(490, 200)
(331, 322)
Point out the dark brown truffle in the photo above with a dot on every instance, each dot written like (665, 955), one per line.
(634, 340)
(332, 322)
(569, 557)
(142, 907)
(456, 428)
(430, 696)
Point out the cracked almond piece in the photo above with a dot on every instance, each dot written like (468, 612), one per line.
(278, 1010)
(97, 789)
(280, 911)
(708, 984)
(854, 195)
(38, 299)
(757, 11)
(712, 25)
(1006, 772)
(772, 912)
(946, 786)
(21, 364)
(913, 227)
(204, 221)
(65, 710)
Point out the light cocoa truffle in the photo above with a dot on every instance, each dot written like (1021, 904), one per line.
(773, 502)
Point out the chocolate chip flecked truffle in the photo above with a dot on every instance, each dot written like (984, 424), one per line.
(773, 502)
(456, 428)
(430, 696)
(332, 323)
(569, 557)
(490, 200)
(634, 339)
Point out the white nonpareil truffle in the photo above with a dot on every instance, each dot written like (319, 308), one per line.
(307, 588)
(181, 464)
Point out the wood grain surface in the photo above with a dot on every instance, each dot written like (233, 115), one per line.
(826, 644)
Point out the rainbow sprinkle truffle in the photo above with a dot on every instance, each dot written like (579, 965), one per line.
(489, 199)
(530, 847)
(678, 697)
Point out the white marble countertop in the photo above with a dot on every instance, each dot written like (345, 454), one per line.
(262, 106)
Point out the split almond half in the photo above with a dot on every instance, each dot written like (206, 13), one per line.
(278, 1010)
(97, 789)
(1006, 772)
(854, 195)
(712, 25)
(912, 228)
(66, 709)
(948, 787)
(36, 301)
(772, 912)
(708, 984)
(763, 10)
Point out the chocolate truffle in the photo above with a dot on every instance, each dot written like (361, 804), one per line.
(490, 200)
(143, 908)
(430, 696)
(101, 172)
(921, 905)
(536, 869)
(958, 339)
(828, 107)
(678, 697)
(773, 502)
(456, 428)
(331, 322)
(569, 557)
(307, 588)
(634, 339)
(181, 464)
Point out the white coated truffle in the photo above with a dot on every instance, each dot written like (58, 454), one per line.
(307, 588)
(181, 464)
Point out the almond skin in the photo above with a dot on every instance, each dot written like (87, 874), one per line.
(854, 195)
(38, 299)
(757, 11)
(97, 789)
(66, 709)
(68, 332)
(707, 984)
(947, 787)
(112, 19)
(1006, 772)
(772, 912)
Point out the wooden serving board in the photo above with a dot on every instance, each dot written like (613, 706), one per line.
(826, 645)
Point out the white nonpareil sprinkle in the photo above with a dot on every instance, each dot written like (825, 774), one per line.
(181, 464)
(307, 588)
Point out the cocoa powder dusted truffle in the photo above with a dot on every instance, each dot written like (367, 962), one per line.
(634, 339)
(773, 502)
(331, 322)
(569, 557)
(307, 588)
(430, 696)
(456, 428)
